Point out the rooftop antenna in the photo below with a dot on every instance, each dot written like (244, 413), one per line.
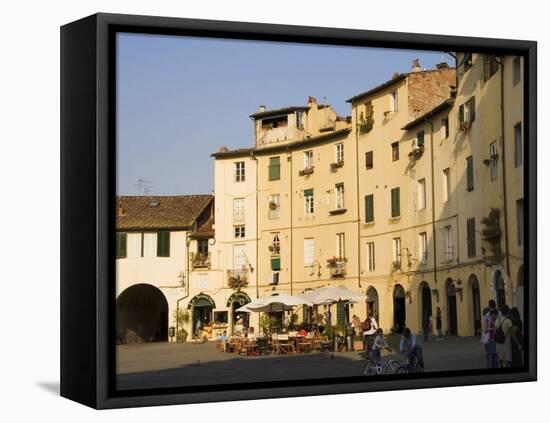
(143, 185)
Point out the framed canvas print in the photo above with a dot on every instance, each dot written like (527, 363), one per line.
(258, 211)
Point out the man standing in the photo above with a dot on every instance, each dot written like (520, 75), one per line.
(370, 326)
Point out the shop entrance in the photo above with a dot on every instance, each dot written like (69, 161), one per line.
(372, 303)
(452, 322)
(399, 312)
(476, 304)
(239, 319)
(202, 306)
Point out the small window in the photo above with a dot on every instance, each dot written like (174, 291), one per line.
(276, 263)
(470, 173)
(163, 244)
(221, 316)
(274, 278)
(339, 150)
(274, 206)
(369, 208)
(421, 193)
(308, 201)
(238, 210)
(395, 151)
(276, 245)
(490, 66)
(471, 234)
(516, 71)
(493, 157)
(445, 128)
(274, 168)
(300, 120)
(340, 245)
(308, 159)
(423, 247)
(202, 247)
(121, 244)
(239, 172)
(393, 102)
(309, 252)
(370, 257)
(339, 196)
(518, 146)
(369, 160)
(449, 249)
(467, 61)
(240, 231)
(420, 139)
(395, 203)
(467, 113)
(397, 250)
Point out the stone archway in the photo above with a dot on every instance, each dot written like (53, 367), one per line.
(235, 301)
(142, 314)
(201, 306)
(452, 320)
(425, 295)
(373, 303)
(399, 311)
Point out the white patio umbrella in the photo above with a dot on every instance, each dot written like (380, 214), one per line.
(332, 294)
(275, 302)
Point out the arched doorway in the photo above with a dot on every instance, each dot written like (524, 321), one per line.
(425, 301)
(142, 314)
(452, 323)
(499, 289)
(399, 313)
(373, 303)
(202, 306)
(476, 303)
(236, 301)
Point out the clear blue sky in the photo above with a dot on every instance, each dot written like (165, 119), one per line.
(181, 98)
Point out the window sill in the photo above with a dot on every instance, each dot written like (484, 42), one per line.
(394, 219)
(337, 211)
(368, 224)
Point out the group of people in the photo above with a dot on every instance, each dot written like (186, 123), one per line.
(502, 336)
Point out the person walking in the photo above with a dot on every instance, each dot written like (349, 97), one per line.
(439, 324)
(370, 327)
(502, 337)
(489, 340)
(516, 338)
(426, 325)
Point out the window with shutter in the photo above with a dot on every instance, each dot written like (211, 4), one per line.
(274, 168)
(369, 208)
(163, 244)
(395, 203)
(121, 243)
(369, 163)
(471, 233)
(420, 139)
(518, 147)
(275, 263)
(309, 251)
(308, 200)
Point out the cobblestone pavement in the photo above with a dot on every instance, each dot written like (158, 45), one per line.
(171, 365)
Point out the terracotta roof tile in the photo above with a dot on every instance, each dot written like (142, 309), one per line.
(159, 212)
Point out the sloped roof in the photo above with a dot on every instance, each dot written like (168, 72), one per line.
(206, 230)
(160, 212)
(447, 104)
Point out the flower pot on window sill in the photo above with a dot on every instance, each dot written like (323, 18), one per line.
(337, 211)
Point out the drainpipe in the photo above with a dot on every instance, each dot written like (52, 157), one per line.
(503, 153)
(358, 203)
(186, 281)
(253, 157)
(291, 229)
(433, 201)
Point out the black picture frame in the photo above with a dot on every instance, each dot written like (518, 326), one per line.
(88, 207)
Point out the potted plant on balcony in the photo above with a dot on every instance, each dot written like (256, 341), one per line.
(272, 205)
(306, 171)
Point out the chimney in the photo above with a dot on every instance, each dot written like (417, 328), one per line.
(442, 65)
(395, 75)
(262, 108)
(223, 149)
(311, 100)
(416, 65)
(120, 209)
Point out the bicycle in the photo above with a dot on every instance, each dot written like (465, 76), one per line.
(389, 366)
(417, 365)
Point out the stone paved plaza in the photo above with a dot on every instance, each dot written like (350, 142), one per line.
(157, 365)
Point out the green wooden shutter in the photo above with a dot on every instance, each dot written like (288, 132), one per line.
(395, 206)
(163, 244)
(471, 229)
(470, 173)
(461, 114)
(274, 168)
(276, 263)
(121, 243)
(369, 208)
(472, 109)
(308, 193)
(420, 139)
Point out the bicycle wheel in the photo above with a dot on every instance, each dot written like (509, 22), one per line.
(401, 370)
(367, 369)
(392, 367)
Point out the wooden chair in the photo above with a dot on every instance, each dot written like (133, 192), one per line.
(284, 345)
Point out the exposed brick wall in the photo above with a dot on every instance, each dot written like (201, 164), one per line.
(428, 89)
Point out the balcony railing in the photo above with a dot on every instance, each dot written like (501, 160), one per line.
(337, 267)
(237, 278)
(199, 260)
